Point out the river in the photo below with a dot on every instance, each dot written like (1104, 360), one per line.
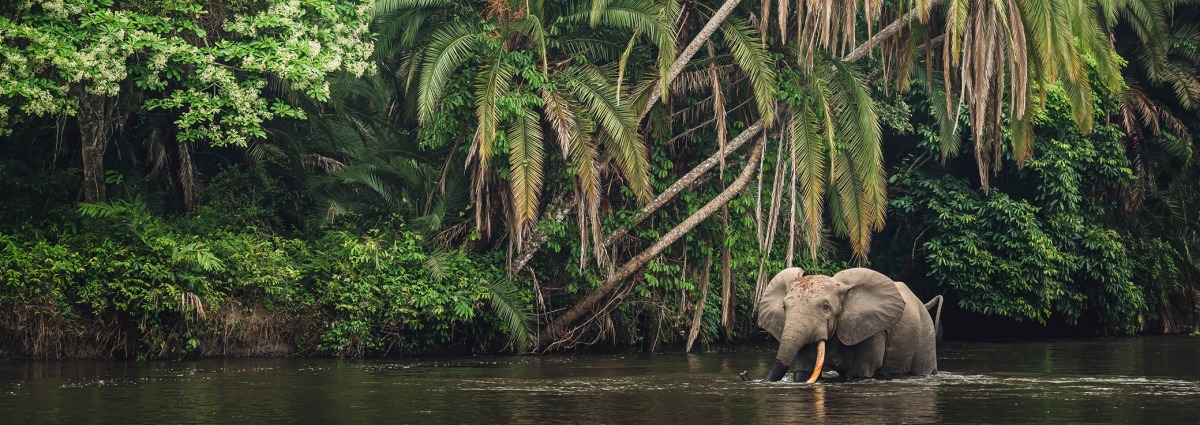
(1146, 380)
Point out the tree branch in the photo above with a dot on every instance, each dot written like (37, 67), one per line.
(686, 181)
(688, 52)
(887, 32)
(537, 238)
(554, 331)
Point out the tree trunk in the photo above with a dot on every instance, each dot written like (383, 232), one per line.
(96, 113)
(688, 52)
(536, 238)
(727, 295)
(557, 330)
(187, 176)
(698, 315)
(887, 32)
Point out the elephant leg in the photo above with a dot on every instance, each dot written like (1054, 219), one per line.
(806, 359)
(803, 365)
(864, 358)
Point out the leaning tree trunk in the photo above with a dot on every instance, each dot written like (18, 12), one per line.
(686, 55)
(96, 114)
(887, 32)
(536, 239)
(556, 331)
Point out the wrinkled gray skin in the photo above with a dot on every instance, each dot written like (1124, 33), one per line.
(872, 326)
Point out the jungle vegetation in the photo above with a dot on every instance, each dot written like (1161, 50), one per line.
(390, 177)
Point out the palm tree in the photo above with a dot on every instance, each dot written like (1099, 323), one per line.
(1162, 85)
(1158, 112)
(834, 139)
(996, 59)
(556, 66)
(744, 69)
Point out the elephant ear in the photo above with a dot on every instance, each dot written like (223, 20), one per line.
(771, 315)
(872, 304)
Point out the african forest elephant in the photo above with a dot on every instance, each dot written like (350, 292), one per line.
(858, 322)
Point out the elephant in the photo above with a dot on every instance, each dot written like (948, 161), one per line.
(858, 322)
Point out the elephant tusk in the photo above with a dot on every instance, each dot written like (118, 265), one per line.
(820, 363)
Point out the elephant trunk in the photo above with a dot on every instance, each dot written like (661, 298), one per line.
(778, 371)
(781, 368)
(793, 338)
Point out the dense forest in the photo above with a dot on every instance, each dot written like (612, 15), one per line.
(393, 177)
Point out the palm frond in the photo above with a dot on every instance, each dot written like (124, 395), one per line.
(830, 25)
(449, 47)
(492, 83)
(615, 121)
(1148, 19)
(641, 16)
(533, 27)
(596, 10)
(1096, 48)
(575, 136)
(700, 78)
(1185, 82)
(438, 263)
(1021, 137)
(526, 156)
(398, 32)
(858, 173)
(1079, 96)
(575, 139)
(949, 136)
(514, 312)
(811, 160)
(597, 46)
(754, 60)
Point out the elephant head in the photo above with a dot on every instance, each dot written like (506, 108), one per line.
(799, 310)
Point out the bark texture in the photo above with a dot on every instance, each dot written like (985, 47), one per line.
(96, 115)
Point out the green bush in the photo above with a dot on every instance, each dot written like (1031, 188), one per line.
(1041, 242)
(135, 285)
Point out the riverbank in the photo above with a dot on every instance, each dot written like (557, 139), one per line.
(116, 282)
(228, 279)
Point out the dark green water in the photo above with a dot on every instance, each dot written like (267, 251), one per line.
(1152, 380)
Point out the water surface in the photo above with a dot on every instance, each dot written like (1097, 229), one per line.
(1128, 380)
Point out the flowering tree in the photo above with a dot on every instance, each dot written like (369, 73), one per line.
(206, 62)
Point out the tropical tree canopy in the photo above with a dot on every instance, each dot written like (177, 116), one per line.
(489, 175)
(205, 64)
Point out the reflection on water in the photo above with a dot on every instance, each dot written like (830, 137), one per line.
(1136, 380)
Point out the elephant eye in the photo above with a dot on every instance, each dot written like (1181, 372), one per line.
(825, 307)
